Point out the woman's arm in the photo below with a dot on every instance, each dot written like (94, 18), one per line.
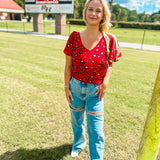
(103, 87)
(67, 78)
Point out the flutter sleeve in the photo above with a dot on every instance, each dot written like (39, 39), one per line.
(114, 48)
(68, 50)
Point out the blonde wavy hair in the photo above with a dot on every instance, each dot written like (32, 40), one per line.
(104, 24)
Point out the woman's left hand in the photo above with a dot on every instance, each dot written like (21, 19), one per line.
(101, 91)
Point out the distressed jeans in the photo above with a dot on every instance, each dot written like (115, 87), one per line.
(86, 99)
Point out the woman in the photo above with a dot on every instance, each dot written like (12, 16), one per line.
(89, 57)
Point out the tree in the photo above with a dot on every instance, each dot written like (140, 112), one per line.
(147, 18)
(76, 5)
(111, 4)
(133, 16)
(116, 10)
(156, 18)
(119, 13)
(113, 17)
(123, 15)
(80, 8)
(142, 17)
(21, 3)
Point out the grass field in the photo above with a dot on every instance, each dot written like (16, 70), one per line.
(35, 117)
(122, 34)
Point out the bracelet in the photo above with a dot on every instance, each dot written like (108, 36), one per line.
(66, 86)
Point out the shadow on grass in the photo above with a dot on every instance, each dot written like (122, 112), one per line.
(56, 153)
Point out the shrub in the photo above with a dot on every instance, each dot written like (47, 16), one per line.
(76, 21)
(140, 25)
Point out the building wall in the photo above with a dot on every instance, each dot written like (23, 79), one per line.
(9, 16)
(4, 16)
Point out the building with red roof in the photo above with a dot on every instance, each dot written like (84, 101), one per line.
(10, 10)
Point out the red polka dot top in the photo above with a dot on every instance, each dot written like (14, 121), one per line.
(89, 66)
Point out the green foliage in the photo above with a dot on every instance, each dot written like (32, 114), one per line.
(156, 18)
(21, 3)
(120, 13)
(76, 5)
(80, 8)
(133, 16)
(143, 17)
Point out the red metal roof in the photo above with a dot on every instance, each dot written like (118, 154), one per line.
(9, 4)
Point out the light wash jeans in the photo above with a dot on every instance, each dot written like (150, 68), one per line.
(86, 99)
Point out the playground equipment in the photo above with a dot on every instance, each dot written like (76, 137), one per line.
(150, 142)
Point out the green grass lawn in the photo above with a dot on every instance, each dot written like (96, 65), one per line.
(122, 34)
(128, 34)
(35, 117)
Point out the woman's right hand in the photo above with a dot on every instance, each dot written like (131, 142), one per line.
(68, 95)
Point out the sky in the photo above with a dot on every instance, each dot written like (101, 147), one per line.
(149, 6)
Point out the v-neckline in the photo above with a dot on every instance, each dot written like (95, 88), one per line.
(93, 47)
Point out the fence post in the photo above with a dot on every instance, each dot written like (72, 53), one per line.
(7, 26)
(150, 141)
(143, 39)
(23, 27)
(43, 27)
(69, 28)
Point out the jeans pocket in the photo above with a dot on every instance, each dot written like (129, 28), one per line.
(97, 86)
(75, 86)
(70, 82)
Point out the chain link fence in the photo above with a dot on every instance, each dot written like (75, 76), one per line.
(48, 27)
(130, 35)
